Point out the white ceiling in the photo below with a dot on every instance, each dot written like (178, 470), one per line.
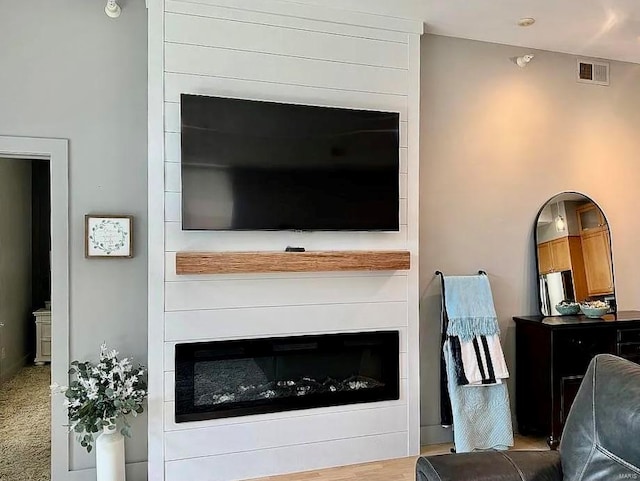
(607, 29)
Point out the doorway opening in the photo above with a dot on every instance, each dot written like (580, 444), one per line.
(25, 319)
(43, 353)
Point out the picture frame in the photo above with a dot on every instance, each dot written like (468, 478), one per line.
(108, 236)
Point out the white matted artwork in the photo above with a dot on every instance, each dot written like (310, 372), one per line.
(108, 235)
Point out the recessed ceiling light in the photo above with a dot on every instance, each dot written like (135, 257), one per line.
(526, 21)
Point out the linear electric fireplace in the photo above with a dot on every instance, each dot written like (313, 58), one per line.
(252, 376)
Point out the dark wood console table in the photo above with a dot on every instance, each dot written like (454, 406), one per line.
(552, 355)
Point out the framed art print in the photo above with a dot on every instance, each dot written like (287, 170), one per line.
(108, 236)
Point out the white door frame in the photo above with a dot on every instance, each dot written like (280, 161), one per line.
(57, 152)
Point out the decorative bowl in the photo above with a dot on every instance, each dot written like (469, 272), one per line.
(568, 309)
(593, 312)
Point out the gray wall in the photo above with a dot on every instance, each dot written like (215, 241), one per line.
(497, 142)
(15, 264)
(70, 71)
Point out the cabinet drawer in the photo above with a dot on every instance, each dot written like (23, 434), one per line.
(574, 349)
(635, 359)
(45, 348)
(45, 330)
(629, 335)
(629, 350)
(568, 391)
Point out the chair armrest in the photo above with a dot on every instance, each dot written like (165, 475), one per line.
(491, 466)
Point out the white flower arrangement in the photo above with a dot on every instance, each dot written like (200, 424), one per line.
(101, 394)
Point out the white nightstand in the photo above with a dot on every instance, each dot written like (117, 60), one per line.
(43, 336)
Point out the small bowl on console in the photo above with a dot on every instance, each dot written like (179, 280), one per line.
(568, 308)
(594, 309)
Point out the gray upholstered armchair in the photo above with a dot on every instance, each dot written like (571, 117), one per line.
(600, 442)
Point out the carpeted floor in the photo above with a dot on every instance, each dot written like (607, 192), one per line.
(25, 439)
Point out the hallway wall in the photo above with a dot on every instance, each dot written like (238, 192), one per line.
(74, 73)
(15, 264)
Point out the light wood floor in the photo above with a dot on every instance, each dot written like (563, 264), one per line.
(402, 469)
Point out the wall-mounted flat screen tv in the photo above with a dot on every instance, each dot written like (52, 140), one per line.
(252, 165)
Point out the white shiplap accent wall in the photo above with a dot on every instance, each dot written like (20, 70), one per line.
(277, 51)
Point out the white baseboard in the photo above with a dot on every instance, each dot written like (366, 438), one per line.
(435, 434)
(8, 372)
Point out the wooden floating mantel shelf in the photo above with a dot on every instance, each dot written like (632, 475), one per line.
(313, 261)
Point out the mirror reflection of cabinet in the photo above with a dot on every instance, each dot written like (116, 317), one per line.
(597, 262)
(561, 255)
(596, 246)
(545, 258)
(574, 252)
(590, 217)
(556, 255)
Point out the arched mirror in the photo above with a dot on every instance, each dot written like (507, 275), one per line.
(573, 247)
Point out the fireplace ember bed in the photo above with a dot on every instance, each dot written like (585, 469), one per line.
(254, 376)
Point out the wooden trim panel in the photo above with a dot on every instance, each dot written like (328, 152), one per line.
(317, 261)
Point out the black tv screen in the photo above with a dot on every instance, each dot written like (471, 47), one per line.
(251, 165)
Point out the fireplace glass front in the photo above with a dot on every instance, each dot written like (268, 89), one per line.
(252, 376)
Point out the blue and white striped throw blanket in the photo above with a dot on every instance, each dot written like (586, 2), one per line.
(481, 414)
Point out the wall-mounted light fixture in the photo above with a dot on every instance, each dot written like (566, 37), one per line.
(524, 60)
(112, 9)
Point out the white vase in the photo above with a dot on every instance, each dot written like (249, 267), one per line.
(110, 455)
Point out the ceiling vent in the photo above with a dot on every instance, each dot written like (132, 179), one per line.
(591, 72)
